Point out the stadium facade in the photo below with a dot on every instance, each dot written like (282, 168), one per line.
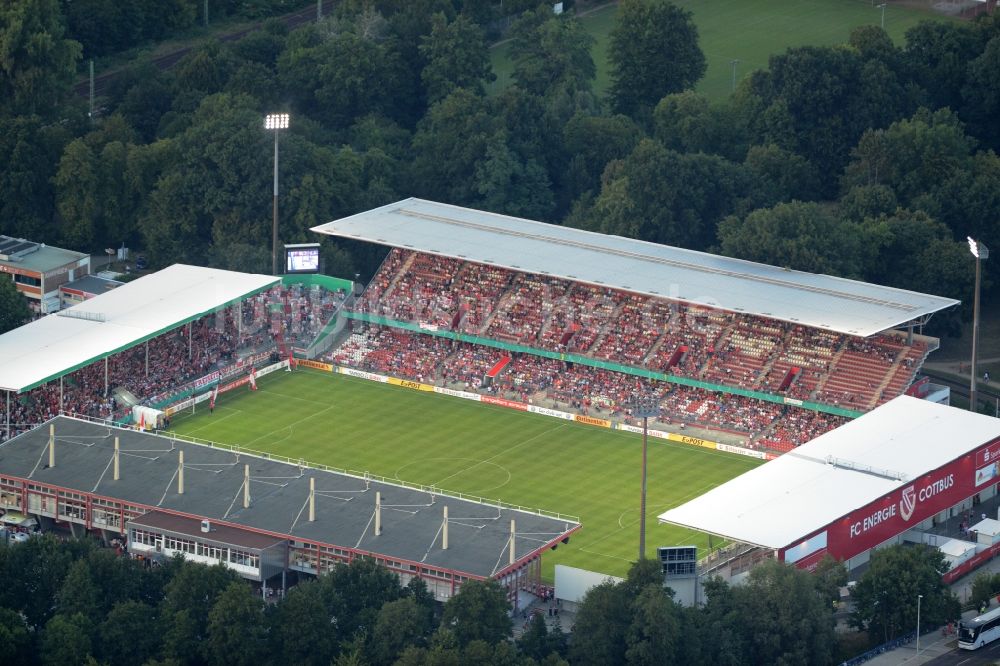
(888, 477)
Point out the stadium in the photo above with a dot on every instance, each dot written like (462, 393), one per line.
(492, 366)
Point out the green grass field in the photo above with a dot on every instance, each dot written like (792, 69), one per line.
(746, 30)
(464, 446)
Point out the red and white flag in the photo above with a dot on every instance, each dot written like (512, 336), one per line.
(253, 379)
(291, 360)
(215, 394)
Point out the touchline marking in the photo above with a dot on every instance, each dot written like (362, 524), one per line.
(504, 452)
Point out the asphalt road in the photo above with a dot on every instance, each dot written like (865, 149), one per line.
(989, 654)
(168, 60)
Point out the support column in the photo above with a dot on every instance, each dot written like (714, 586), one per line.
(189, 341)
(117, 452)
(239, 320)
(444, 536)
(180, 473)
(513, 532)
(60, 394)
(105, 376)
(147, 358)
(378, 513)
(52, 445)
(246, 486)
(8, 415)
(312, 499)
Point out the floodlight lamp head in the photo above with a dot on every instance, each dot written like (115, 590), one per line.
(973, 247)
(276, 121)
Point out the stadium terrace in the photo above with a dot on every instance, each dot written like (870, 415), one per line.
(263, 517)
(559, 315)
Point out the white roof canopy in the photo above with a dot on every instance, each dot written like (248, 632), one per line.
(781, 502)
(57, 344)
(820, 301)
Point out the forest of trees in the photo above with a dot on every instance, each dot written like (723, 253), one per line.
(869, 159)
(73, 602)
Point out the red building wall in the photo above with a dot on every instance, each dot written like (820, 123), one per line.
(902, 509)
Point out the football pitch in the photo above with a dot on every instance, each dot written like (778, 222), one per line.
(747, 31)
(465, 446)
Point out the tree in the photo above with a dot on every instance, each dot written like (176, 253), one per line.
(449, 141)
(14, 309)
(127, 635)
(78, 593)
(187, 602)
(601, 627)
(37, 64)
(780, 175)
(663, 196)
(65, 640)
(31, 149)
(657, 627)
(591, 142)
(478, 612)
(864, 201)
(505, 183)
(886, 595)
(799, 236)
(236, 629)
(689, 123)
(811, 101)
(917, 252)
(302, 626)
(938, 54)
(457, 57)
(401, 623)
(981, 95)
(15, 640)
(653, 52)
(913, 156)
(356, 593)
(777, 617)
(551, 54)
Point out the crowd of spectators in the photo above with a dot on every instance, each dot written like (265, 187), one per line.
(588, 390)
(154, 369)
(554, 314)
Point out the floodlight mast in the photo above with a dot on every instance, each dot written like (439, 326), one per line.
(980, 252)
(275, 122)
(644, 406)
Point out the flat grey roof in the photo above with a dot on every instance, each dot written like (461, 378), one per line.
(233, 536)
(820, 301)
(43, 259)
(92, 284)
(213, 489)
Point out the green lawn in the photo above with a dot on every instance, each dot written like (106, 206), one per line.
(749, 31)
(465, 446)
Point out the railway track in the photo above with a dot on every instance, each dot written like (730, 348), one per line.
(167, 60)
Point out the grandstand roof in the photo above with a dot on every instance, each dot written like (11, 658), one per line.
(60, 343)
(821, 301)
(838, 472)
(279, 491)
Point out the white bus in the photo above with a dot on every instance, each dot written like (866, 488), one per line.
(974, 634)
